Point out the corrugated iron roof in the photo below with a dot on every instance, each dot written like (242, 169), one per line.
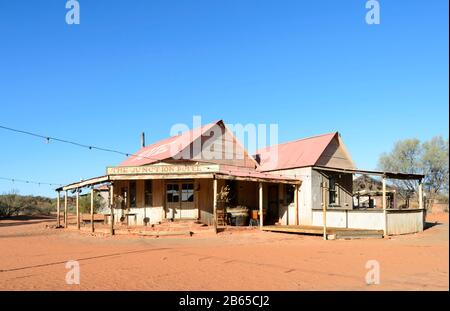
(167, 148)
(299, 153)
(234, 172)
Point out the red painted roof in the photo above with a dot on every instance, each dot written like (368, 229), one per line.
(299, 153)
(167, 148)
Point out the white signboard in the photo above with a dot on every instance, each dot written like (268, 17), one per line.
(162, 169)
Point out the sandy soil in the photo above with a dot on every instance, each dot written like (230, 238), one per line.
(33, 257)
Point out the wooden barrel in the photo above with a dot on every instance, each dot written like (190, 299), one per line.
(255, 214)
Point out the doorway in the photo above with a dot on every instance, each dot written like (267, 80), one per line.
(272, 213)
(180, 203)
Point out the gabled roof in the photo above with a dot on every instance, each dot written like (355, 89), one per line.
(167, 148)
(299, 153)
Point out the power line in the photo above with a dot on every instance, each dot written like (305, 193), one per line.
(29, 181)
(90, 147)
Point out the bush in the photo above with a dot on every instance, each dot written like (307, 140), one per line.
(85, 203)
(13, 204)
(10, 204)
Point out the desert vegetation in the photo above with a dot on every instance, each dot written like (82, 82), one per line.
(429, 158)
(14, 204)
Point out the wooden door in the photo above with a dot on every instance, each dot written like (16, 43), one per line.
(272, 215)
(180, 201)
(173, 203)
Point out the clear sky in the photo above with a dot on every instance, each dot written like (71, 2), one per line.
(144, 65)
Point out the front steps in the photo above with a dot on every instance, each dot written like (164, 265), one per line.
(332, 233)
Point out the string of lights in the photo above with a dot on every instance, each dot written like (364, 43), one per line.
(48, 139)
(14, 180)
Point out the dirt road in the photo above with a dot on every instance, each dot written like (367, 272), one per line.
(33, 257)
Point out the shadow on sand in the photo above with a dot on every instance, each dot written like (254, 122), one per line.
(429, 225)
(24, 220)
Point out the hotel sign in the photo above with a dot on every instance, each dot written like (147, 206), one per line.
(162, 169)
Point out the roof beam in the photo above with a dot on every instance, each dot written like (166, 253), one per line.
(84, 183)
(392, 175)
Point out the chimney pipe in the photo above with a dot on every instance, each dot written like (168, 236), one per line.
(142, 139)
(257, 158)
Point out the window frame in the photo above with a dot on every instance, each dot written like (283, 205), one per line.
(169, 192)
(133, 194)
(289, 192)
(333, 192)
(148, 195)
(190, 190)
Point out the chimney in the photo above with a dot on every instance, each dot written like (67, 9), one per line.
(142, 139)
(257, 158)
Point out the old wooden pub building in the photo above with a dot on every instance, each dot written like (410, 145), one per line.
(202, 174)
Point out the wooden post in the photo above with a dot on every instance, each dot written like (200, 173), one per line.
(324, 209)
(421, 205)
(394, 200)
(65, 209)
(420, 194)
(78, 208)
(92, 209)
(215, 204)
(196, 192)
(384, 204)
(296, 204)
(111, 204)
(58, 209)
(261, 213)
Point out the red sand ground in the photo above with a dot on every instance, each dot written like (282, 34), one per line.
(33, 257)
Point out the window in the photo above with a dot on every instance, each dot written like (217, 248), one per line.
(333, 191)
(187, 192)
(148, 193)
(122, 200)
(173, 193)
(289, 194)
(132, 193)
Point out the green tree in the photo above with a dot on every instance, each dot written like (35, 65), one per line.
(429, 158)
(14, 204)
(404, 158)
(85, 203)
(10, 204)
(435, 166)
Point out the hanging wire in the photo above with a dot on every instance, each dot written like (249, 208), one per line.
(74, 143)
(48, 139)
(29, 181)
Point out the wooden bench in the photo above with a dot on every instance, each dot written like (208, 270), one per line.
(128, 215)
(86, 218)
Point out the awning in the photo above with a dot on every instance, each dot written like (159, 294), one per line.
(222, 174)
(392, 175)
(85, 183)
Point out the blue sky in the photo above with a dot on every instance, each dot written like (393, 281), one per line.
(132, 66)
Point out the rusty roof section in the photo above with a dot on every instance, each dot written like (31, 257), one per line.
(167, 148)
(298, 153)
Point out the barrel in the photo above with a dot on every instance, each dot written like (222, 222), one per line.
(255, 214)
